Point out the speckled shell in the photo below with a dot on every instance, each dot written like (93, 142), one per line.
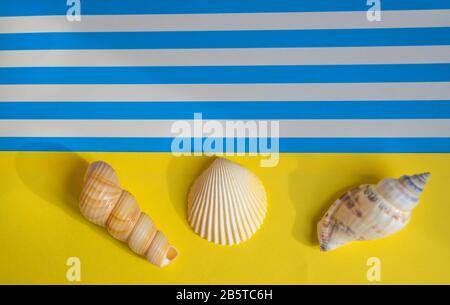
(370, 212)
(105, 203)
(227, 203)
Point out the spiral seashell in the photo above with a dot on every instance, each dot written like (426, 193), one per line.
(227, 203)
(105, 203)
(123, 217)
(370, 212)
(143, 234)
(100, 193)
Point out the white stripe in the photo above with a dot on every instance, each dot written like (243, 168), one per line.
(226, 57)
(162, 128)
(215, 22)
(228, 92)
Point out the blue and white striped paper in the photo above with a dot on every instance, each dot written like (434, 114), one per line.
(119, 78)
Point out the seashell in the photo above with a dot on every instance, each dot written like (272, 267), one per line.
(227, 203)
(105, 203)
(160, 252)
(370, 212)
(123, 217)
(101, 191)
(143, 234)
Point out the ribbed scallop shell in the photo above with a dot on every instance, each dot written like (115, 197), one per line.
(370, 212)
(105, 203)
(227, 203)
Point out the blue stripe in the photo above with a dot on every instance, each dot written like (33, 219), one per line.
(95, 7)
(225, 110)
(300, 145)
(227, 74)
(226, 39)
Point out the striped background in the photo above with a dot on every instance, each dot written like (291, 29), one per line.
(118, 79)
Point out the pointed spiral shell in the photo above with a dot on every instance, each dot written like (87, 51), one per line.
(105, 203)
(370, 212)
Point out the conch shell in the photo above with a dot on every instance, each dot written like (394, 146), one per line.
(227, 203)
(105, 203)
(370, 212)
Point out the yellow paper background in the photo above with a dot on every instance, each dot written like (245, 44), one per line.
(41, 226)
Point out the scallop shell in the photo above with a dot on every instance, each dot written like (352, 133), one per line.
(105, 203)
(370, 212)
(227, 203)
